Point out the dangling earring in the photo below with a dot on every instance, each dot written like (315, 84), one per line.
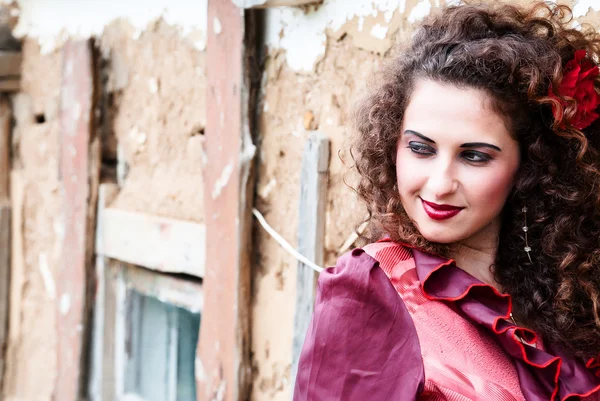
(525, 229)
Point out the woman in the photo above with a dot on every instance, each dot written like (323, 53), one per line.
(479, 156)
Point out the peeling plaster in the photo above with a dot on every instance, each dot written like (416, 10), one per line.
(222, 181)
(302, 34)
(199, 370)
(217, 26)
(421, 10)
(153, 85)
(65, 304)
(248, 3)
(379, 31)
(583, 7)
(47, 276)
(52, 22)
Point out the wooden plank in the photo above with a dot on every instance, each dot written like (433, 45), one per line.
(311, 236)
(223, 368)
(5, 243)
(10, 84)
(5, 131)
(119, 329)
(17, 254)
(167, 288)
(10, 63)
(99, 359)
(154, 242)
(75, 123)
(5, 212)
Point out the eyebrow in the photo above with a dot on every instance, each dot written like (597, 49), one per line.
(464, 145)
(415, 133)
(480, 145)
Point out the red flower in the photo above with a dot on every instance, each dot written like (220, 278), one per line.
(578, 83)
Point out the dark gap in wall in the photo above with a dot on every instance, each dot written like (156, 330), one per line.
(93, 175)
(40, 118)
(197, 131)
(106, 106)
(255, 60)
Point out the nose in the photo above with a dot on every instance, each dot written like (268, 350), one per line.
(442, 181)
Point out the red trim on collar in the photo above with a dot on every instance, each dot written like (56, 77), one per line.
(461, 286)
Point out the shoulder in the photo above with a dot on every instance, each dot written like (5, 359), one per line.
(365, 272)
(361, 339)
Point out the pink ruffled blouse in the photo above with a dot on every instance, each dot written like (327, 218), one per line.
(395, 323)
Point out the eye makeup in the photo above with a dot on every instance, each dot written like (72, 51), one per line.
(464, 145)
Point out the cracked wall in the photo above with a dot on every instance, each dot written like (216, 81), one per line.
(153, 113)
(155, 105)
(318, 61)
(157, 85)
(36, 229)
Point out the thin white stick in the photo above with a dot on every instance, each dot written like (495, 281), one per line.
(284, 244)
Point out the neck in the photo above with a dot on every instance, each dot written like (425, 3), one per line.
(477, 254)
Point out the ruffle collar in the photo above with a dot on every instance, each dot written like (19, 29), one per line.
(545, 375)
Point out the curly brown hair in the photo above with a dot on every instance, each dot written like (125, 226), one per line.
(514, 54)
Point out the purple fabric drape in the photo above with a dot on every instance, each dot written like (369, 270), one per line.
(361, 343)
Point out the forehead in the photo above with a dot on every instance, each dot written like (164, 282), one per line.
(444, 111)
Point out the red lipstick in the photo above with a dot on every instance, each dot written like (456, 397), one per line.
(440, 212)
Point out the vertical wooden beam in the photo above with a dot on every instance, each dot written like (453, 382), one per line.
(5, 128)
(311, 236)
(75, 122)
(102, 369)
(5, 214)
(222, 366)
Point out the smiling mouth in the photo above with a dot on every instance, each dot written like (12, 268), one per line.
(440, 212)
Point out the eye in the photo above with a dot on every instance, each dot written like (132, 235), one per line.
(475, 157)
(420, 148)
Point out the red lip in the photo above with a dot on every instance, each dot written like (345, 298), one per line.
(440, 212)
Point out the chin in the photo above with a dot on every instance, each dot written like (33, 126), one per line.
(441, 236)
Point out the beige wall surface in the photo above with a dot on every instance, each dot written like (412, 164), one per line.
(319, 59)
(152, 69)
(36, 229)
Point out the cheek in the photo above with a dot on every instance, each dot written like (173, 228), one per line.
(490, 190)
(407, 174)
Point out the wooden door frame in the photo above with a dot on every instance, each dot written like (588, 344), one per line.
(223, 368)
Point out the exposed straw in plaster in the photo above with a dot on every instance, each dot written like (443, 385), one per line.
(52, 22)
(284, 244)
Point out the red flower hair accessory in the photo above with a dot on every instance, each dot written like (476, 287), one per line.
(578, 83)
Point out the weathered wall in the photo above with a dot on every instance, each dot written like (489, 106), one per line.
(314, 69)
(154, 89)
(36, 229)
(157, 83)
(318, 61)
